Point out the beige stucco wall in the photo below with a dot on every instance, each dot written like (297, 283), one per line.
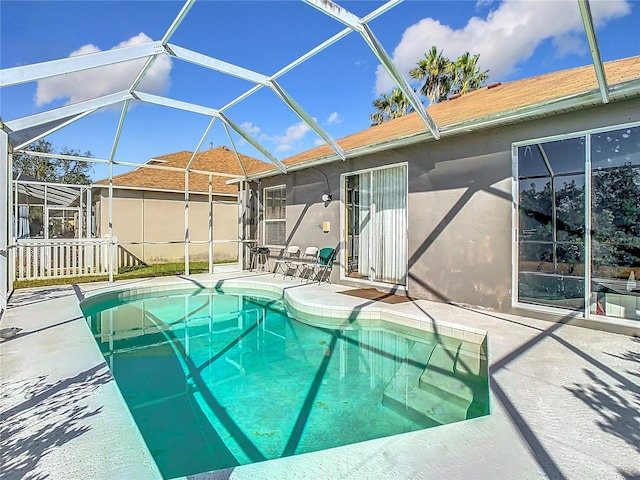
(460, 205)
(145, 216)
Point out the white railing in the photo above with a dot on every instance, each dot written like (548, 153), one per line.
(37, 258)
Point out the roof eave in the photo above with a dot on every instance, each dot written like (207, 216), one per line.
(586, 99)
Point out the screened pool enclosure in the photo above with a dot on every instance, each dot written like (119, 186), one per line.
(573, 243)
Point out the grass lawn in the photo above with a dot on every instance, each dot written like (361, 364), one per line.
(139, 271)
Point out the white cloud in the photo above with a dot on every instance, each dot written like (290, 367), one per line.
(293, 134)
(250, 128)
(89, 84)
(319, 142)
(334, 118)
(569, 43)
(506, 37)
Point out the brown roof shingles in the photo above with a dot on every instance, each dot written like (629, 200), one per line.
(484, 103)
(478, 104)
(215, 160)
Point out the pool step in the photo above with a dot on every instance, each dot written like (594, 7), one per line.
(437, 383)
(441, 378)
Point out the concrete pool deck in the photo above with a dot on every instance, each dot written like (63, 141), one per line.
(565, 400)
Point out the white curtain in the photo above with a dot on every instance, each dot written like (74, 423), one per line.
(23, 222)
(364, 223)
(389, 215)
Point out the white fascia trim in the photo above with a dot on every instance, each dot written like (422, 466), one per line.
(588, 99)
(162, 190)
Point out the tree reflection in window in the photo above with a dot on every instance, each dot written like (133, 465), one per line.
(552, 235)
(615, 159)
(551, 223)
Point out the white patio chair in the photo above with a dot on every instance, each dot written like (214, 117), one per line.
(307, 261)
(290, 254)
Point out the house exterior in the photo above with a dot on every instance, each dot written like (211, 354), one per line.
(529, 201)
(149, 207)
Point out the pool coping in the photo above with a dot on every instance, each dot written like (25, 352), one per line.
(328, 316)
(518, 440)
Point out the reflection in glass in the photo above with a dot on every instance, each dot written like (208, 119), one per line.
(615, 219)
(616, 148)
(565, 156)
(569, 207)
(552, 290)
(552, 213)
(536, 209)
(531, 164)
(551, 223)
(536, 257)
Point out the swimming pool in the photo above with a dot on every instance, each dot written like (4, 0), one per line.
(218, 379)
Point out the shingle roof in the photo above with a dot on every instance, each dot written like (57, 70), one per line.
(483, 103)
(218, 160)
(471, 107)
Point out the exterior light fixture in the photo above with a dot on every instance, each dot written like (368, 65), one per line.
(326, 197)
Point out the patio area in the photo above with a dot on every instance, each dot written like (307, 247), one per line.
(565, 400)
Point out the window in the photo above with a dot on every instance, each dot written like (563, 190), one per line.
(275, 216)
(565, 188)
(551, 216)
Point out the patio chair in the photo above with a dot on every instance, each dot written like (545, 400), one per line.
(326, 256)
(290, 254)
(306, 262)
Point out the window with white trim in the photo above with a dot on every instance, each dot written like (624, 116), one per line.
(275, 216)
(578, 216)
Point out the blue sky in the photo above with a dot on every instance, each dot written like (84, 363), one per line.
(515, 39)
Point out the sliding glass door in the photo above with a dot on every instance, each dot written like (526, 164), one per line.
(375, 220)
(615, 223)
(552, 228)
(567, 189)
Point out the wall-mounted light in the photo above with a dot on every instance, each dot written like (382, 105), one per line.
(326, 197)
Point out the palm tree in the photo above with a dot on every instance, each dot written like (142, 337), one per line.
(391, 106)
(465, 75)
(435, 70)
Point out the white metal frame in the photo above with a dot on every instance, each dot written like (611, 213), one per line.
(6, 272)
(18, 133)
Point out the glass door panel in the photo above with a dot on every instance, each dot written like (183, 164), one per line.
(551, 233)
(358, 228)
(376, 225)
(615, 223)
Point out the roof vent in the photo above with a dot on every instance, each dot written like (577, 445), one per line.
(224, 148)
(494, 85)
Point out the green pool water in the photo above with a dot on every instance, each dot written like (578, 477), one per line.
(218, 380)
